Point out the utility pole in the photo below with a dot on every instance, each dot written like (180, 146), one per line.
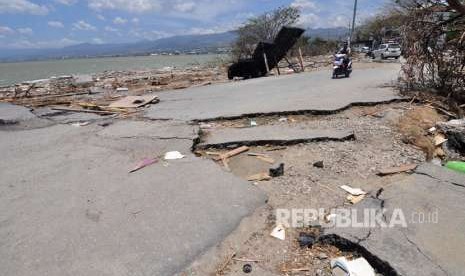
(352, 31)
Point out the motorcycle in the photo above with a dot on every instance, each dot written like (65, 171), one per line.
(342, 66)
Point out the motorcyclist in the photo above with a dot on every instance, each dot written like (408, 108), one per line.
(345, 50)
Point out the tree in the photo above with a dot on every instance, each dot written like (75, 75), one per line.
(381, 26)
(263, 28)
(433, 41)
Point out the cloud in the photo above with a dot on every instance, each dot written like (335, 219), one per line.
(22, 6)
(101, 17)
(184, 7)
(4, 30)
(120, 21)
(66, 2)
(137, 6)
(202, 10)
(304, 4)
(98, 40)
(135, 20)
(110, 29)
(25, 31)
(84, 26)
(56, 24)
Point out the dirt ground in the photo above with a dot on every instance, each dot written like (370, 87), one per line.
(378, 144)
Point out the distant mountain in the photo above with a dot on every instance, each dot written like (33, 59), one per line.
(186, 43)
(200, 43)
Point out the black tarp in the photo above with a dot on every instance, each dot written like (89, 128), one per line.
(255, 67)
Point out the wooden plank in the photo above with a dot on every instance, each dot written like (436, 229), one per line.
(301, 60)
(232, 153)
(266, 159)
(400, 169)
(259, 177)
(83, 110)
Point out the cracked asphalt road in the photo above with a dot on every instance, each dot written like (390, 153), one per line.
(287, 94)
(424, 245)
(71, 208)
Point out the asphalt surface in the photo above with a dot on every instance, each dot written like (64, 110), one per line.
(70, 207)
(286, 94)
(432, 241)
(13, 114)
(271, 135)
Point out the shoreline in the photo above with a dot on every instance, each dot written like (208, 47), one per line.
(26, 71)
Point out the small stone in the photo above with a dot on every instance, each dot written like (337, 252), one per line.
(319, 164)
(277, 170)
(306, 240)
(247, 268)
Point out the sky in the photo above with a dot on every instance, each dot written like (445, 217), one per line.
(59, 23)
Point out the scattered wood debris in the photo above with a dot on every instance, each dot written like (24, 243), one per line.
(355, 199)
(353, 191)
(400, 169)
(232, 153)
(266, 159)
(259, 177)
(134, 101)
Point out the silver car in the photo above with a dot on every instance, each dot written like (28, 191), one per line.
(388, 50)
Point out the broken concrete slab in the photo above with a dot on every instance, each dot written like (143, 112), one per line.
(78, 211)
(75, 117)
(165, 130)
(270, 135)
(292, 94)
(14, 114)
(431, 202)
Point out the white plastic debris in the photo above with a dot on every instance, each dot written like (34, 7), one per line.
(80, 124)
(206, 126)
(279, 232)
(253, 123)
(357, 267)
(353, 191)
(283, 119)
(173, 155)
(122, 89)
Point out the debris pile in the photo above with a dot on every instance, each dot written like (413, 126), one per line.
(103, 88)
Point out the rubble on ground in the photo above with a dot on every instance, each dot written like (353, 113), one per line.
(104, 88)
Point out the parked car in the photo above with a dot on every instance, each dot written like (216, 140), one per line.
(365, 49)
(388, 50)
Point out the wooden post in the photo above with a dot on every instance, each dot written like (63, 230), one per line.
(277, 66)
(301, 59)
(266, 63)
